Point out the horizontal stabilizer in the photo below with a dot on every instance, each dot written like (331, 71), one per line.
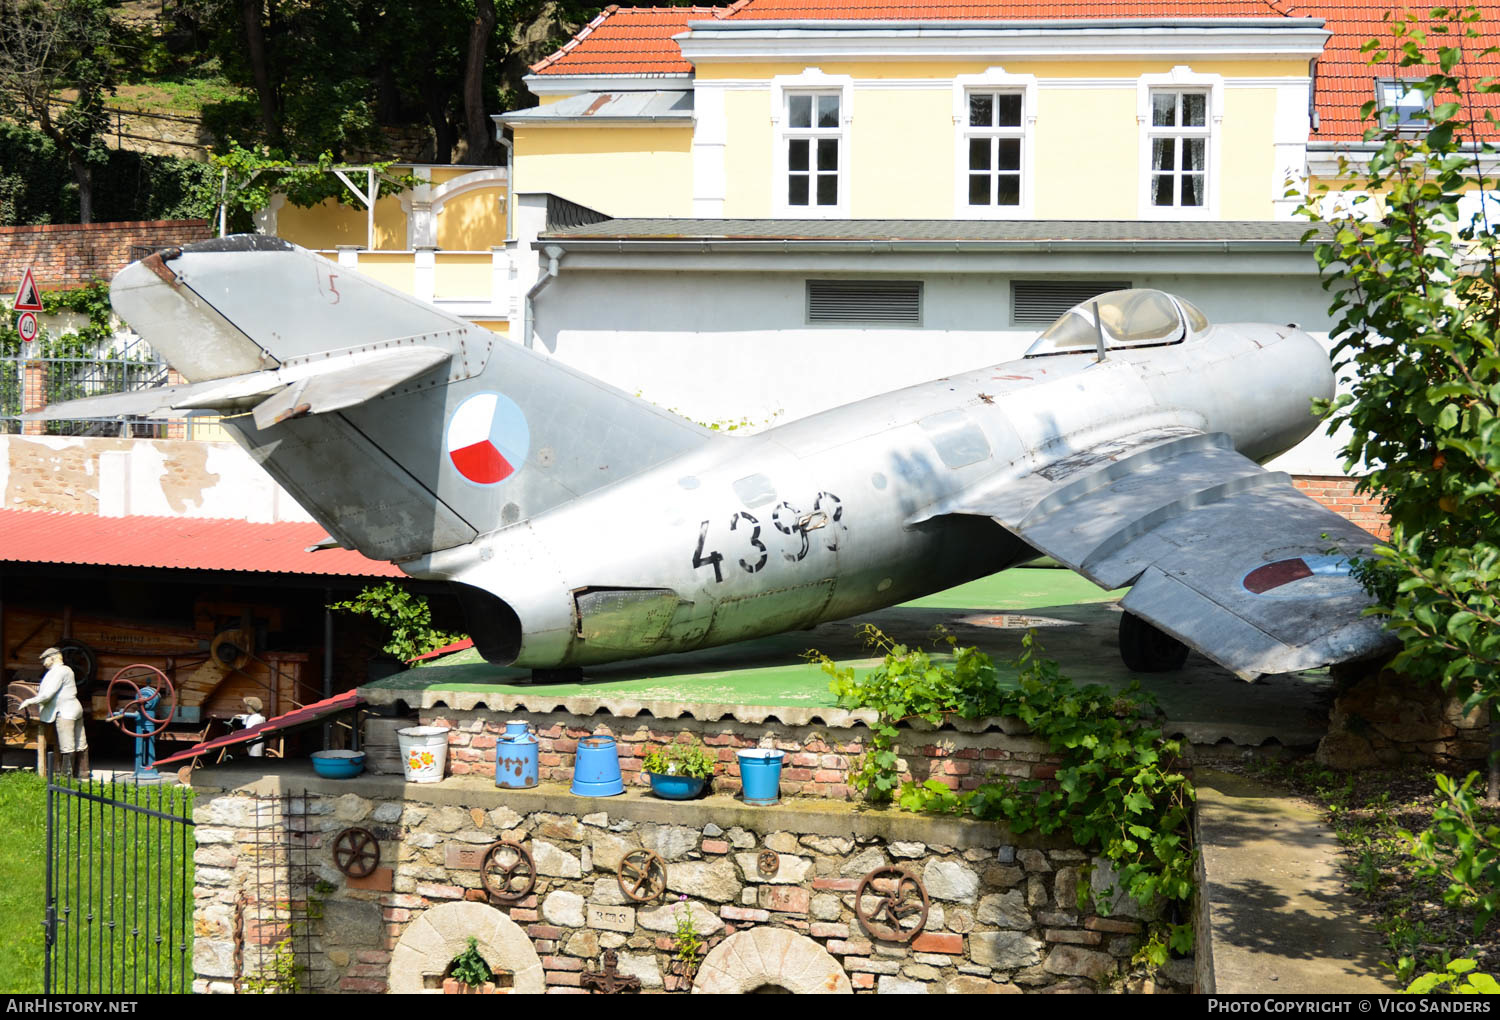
(346, 386)
(332, 382)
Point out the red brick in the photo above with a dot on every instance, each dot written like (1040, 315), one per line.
(825, 930)
(373, 956)
(521, 915)
(862, 980)
(715, 846)
(434, 891)
(360, 984)
(561, 963)
(836, 884)
(785, 899)
(1111, 925)
(380, 880)
(938, 942)
(544, 931)
(562, 977)
(850, 947)
(743, 914)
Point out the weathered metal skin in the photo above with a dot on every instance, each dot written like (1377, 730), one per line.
(585, 526)
(874, 466)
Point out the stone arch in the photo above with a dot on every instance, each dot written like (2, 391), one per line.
(748, 960)
(431, 942)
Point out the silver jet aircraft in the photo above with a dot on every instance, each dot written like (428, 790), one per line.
(581, 525)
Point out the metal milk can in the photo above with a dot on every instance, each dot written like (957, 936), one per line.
(516, 757)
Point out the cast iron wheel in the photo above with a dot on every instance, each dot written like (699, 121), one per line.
(642, 875)
(356, 852)
(15, 721)
(507, 872)
(1146, 649)
(124, 694)
(80, 658)
(891, 904)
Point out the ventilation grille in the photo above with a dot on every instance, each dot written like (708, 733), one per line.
(896, 301)
(1039, 302)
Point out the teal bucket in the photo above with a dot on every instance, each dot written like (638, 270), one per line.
(760, 776)
(596, 768)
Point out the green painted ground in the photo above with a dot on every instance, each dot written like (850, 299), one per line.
(771, 671)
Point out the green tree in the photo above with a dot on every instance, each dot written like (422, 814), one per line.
(1419, 318)
(56, 67)
(1414, 292)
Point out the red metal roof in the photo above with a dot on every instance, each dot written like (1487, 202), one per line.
(184, 543)
(300, 717)
(638, 40)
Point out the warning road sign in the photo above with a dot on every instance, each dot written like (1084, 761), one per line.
(28, 298)
(26, 326)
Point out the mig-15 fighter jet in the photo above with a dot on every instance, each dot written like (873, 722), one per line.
(582, 525)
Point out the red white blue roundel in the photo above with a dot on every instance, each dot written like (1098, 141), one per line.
(488, 438)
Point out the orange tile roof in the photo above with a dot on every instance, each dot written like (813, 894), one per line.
(627, 40)
(638, 40)
(182, 543)
(1346, 79)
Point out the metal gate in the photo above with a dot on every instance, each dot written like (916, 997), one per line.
(119, 888)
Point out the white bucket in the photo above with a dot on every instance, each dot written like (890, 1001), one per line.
(424, 753)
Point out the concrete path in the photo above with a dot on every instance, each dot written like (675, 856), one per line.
(1274, 916)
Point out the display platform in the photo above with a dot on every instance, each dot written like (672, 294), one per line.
(1074, 621)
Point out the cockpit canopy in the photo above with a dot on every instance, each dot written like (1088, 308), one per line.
(1127, 318)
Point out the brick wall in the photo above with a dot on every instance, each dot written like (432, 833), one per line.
(818, 758)
(63, 255)
(1337, 493)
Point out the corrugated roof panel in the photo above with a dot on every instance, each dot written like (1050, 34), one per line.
(181, 543)
(659, 104)
(935, 230)
(1015, 10)
(298, 717)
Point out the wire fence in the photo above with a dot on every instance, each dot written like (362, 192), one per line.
(30, 382)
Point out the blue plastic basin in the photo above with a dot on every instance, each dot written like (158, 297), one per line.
(676, 787)
(338, 764)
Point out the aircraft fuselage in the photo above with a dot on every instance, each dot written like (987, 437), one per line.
(843, 512)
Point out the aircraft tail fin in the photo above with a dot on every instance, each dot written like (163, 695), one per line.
(401, 428)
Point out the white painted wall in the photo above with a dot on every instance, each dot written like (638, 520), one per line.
(732, 346)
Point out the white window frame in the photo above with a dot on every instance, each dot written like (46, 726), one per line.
(996, 80)
(811, 81)
(1181, 79)
(1390, 116)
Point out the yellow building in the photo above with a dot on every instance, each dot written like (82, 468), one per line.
(444, 240)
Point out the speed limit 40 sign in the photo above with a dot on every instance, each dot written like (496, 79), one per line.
(26, 326)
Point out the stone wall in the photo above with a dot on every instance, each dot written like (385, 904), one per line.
(821, 748)
(63, 255)
(1003, 915)
(1384, 718)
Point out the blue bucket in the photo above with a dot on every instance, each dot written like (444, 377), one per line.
(516, 757)
(760, 776)
(596, 768)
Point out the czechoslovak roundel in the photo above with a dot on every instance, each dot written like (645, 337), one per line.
(487, 438)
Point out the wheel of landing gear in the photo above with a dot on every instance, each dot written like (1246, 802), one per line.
(1146, 649)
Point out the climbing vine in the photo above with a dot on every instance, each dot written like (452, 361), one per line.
(1118, 790)
(253, 175)
(87, 340)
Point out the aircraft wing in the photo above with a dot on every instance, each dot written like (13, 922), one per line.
(1223, 555)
